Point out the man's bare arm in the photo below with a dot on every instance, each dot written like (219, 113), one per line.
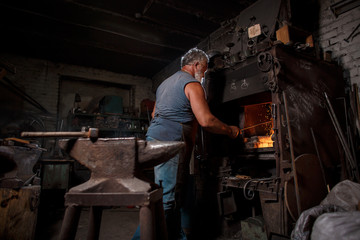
(195, 93)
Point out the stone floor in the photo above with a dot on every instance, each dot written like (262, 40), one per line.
(116, 223)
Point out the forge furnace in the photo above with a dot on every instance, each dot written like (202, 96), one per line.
(278, 99)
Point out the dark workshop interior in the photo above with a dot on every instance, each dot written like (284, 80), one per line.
(78, 80)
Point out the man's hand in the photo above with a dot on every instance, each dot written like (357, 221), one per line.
(235, 131)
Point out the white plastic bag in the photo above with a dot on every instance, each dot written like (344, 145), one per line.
(337, 225)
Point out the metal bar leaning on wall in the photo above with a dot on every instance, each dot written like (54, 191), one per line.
(8, 83)
(297, 192)
(352, 162)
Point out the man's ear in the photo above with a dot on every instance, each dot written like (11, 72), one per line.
(196, 65)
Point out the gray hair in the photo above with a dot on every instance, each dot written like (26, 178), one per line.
(194, 55)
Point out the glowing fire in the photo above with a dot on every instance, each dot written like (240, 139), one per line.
(264, 141)
(260, 141)
(258, 126)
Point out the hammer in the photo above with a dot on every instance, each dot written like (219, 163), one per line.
(92, 133)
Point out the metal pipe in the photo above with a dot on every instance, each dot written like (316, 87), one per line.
(70, 223)
(146, 223)
(93, 132)
(94, 223)
(297, 192)
(54, 134)
(320, 162)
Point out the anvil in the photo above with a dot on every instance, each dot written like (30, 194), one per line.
(116, 164)
(17, 165)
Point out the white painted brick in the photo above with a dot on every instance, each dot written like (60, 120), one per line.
(347, 17)
(352, 14)
(356, 80)
(355, 38)
(356, 54)
(342, 20)
(346, 74)
(326, 18)
(345, 44)
(352, 48)
(354, 72)
(336, 47)
(349, 27)
(324, 43)
(326, 29)
(348, 66)
(337, 24)
(337, 39)
(346, 59)
(329, 35)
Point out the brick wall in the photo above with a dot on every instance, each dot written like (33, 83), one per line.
(331, 36)
(40, 80)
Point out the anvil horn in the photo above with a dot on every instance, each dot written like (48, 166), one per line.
(152, 153)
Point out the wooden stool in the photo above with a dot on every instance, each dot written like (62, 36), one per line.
(116, 166)
(152, 219)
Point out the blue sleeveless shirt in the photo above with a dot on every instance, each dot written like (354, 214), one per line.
(172, 109)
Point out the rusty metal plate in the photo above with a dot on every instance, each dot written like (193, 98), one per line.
(312, 187)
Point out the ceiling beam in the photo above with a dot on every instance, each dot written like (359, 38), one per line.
(144, 17)
(211, 11)
(198, 12)
(60, 39)
(138, 19)
(123, 29)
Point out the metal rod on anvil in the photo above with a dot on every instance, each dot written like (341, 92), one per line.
(255, 125)
(92, 133)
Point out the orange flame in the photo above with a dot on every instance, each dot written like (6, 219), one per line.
(264, 142)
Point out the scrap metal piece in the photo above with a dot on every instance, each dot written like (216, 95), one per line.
(310, 182)
(17, 165)
(265, 61)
